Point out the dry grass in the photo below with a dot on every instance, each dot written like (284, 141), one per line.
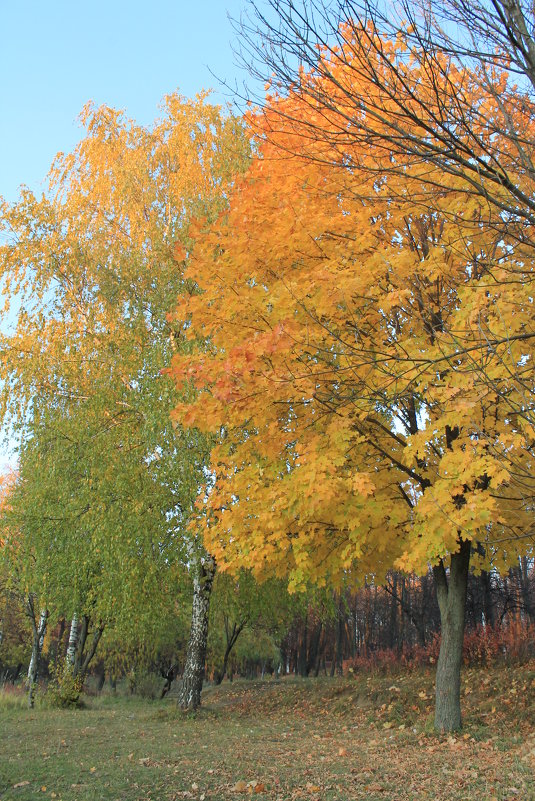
(361, 738)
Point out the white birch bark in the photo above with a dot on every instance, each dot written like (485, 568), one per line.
(193, 676)
(73, 642)
(39, 631)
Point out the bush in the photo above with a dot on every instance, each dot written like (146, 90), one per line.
(513, 642)
(64, 689)
(145, 684)
(12, 697)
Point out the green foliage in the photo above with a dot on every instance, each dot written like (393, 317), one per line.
(64, 689)
(245, 613)
(15, 644)
(97, 522)
(145, 684)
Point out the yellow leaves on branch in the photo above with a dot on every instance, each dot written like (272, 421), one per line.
(363, 359)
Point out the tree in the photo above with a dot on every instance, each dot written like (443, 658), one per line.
(91, 270)
(351, 443)
(429, 93)
(244, 605)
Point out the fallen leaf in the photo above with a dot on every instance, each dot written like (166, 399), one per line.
(342, 752)
(21, 784)
(240, 787)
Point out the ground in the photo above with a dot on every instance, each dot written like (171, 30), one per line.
(364, 737)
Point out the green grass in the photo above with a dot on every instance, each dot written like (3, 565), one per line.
(368, 737)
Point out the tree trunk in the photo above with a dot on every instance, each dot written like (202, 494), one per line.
(73, 642)
(192, 679)
(302, 653)
(393, 623)
(340, 628)
(231, 639)
(38, 631)
(83, 665)
(313, 648)
(80, 645)
(525, 588)
(451, 597)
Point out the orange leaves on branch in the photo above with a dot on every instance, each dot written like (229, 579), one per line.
(355, 359)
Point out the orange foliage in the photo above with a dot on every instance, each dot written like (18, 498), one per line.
(364, 352)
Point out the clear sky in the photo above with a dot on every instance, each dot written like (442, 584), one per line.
(56, 55)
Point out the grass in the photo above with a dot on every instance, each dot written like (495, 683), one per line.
(367, 737)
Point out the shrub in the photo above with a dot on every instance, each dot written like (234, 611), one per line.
(145, 684)
(64, 689)
(514, 642)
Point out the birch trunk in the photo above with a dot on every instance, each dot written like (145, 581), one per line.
(451, 597)
(73, 642)
(80, 645)
(192, 679)
(38, 632)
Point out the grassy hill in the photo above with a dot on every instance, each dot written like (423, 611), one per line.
(365, 737)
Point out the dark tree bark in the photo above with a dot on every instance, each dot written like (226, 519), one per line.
(85, 660)
(231, 635)
(393, 624)
(526, 587)
(313, 648)
(302, 666)
(451, 595)
(193, 676)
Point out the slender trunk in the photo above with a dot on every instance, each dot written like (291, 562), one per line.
(101, 678)
(192, 679)
(90, 653)
(338, 656)
(313, 648)
(321, 653)
(231, 638)
(38, 636)
(73, 642)
(451, 597)
(393, 624)
(80, 645)
(302, 654)
(526, 589)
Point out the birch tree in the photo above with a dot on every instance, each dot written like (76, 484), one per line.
(93, 268)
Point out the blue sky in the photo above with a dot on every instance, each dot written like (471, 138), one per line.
(57, 55)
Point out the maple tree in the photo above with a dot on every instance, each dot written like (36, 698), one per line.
(467, 116)
(370, 345)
